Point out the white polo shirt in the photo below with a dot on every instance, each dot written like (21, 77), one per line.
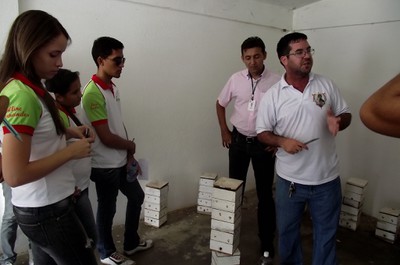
(287, 112)
(81, 168)
(101, 104)
(29, 115)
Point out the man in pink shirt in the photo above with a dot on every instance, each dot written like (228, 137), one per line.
(246, 89)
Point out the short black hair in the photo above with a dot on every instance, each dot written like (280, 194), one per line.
(283, 46)
(104, 46)
(62, 81)
(253, 42)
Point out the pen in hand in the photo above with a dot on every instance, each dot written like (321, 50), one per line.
(87, 133)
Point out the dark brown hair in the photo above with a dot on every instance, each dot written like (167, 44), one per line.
(31, 31)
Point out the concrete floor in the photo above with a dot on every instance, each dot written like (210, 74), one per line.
(184, 239)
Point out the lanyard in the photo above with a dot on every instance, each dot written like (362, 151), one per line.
(253, 87)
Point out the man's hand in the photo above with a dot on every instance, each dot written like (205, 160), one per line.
(293, 146)
(226, 138)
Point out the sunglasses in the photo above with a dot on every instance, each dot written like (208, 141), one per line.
(118, 60)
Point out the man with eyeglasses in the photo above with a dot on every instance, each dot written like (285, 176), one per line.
(301, 115)
(112, 152)
(245, 88)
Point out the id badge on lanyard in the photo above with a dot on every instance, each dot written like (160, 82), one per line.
(251, 106)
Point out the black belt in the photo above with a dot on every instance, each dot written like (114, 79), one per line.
(242, 137)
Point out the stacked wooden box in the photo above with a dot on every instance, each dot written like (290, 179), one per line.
(388, 223)
(226, 220)
(353, 199)
(219, 258)
(204, 199)
(155, 203)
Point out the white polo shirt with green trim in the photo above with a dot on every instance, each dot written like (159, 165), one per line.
(101, 105)
(28, 114)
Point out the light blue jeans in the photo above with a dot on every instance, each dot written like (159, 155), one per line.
(9, 227)
(324, 203)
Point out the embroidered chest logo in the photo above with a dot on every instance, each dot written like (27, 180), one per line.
(319, 99)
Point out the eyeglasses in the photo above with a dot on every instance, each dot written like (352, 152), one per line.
(302, 53)
(118, 60)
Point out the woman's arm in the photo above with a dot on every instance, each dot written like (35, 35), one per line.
(18, 170)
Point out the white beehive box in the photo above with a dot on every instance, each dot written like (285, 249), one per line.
(353, 196)
(205, 195)
(350, 217)
(350, 210)
(207, 189)
(204, 199)
(225, 247)
(349, 224)
(228, 189)
(155, 214)
(225, 226)
(385, 235)
(206, 182)
(356, 185)
(352, 203)
(387, 227)
(226, 216)
(224, 237)
(204, 209)
(393, 228)
(155, 203)
(155, 222)
(209, 175)
(224, 205)
(389, 215)
(218, 258)
(155, 206)
(204, 202)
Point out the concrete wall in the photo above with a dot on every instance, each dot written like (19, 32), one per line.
(356, 45)
(179, 56)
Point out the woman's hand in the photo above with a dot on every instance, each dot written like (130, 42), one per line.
(81, 132)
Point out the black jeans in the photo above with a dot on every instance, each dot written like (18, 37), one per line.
(109, 181)
(57, 235)
(241, 152)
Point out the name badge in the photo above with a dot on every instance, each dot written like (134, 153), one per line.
(252, 105)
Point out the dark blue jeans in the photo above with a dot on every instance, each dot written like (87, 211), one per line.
(324, 203)
(57, 235)
(108, 182)
(241, 152)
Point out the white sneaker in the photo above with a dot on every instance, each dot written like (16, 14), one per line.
(143, 245)
(117, 259)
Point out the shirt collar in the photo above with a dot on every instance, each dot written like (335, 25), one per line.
(102, 84)
(38, 90)
(284, 84)
(261, 76)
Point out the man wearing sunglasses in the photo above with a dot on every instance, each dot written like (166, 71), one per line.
(112, 151)
(301, 115)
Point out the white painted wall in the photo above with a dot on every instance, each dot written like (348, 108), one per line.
(356, 45)
(178, 59)
(181, 53)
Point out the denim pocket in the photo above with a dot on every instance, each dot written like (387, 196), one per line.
(35, 232)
